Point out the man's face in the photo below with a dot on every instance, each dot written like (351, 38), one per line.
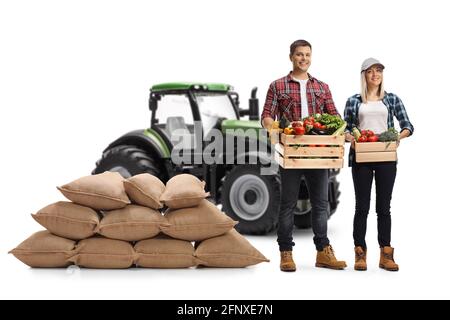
(301, 59)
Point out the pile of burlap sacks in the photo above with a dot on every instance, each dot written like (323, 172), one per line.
(113, 222)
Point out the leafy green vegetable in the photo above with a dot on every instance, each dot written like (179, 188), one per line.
(340, 130)
(332, 122)
(390, 135)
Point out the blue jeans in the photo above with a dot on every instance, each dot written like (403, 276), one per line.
(317, 183)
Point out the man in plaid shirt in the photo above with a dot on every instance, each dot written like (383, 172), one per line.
(296, 96)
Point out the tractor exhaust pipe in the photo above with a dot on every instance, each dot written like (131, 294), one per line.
(253, 104)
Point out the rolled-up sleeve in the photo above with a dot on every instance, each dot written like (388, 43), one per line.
(402, 116)
(270, 106)
(329, 103)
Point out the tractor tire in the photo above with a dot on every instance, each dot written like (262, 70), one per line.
(302, 214)
(128, 160)
(251, 198)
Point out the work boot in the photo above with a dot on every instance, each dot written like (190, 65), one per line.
(387, 259)
(360, 259)
(287, 263)
(326, 259)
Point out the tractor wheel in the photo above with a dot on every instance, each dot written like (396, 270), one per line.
(251, 198)
(302, 214)
(128, 160)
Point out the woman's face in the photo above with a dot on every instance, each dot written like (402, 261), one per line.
(374, 75)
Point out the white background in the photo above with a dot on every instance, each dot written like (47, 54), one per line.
(74, 75)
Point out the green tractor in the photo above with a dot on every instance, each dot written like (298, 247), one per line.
(245, 193)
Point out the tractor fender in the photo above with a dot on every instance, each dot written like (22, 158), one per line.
(146, 139)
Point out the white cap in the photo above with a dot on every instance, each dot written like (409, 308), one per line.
(370, 62)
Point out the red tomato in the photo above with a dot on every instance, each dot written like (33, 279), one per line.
(323, 127)
(364, 132)
(299, 131)
(295, 124)
(317, 125)
(373, 138)
(362, 139)
(370, 133)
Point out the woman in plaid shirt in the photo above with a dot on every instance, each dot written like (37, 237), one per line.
(374, 109)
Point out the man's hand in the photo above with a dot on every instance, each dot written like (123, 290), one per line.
(267, 123)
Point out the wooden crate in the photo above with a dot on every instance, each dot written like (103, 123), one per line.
(375, 151)
(329, 155)
(275, 135)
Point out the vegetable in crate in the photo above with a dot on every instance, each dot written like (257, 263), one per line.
(389, 135)
(356, 133)
(341, 130)
(332, 122)
(364, 135)
(289, 131)
(299, 131)
(284, 123)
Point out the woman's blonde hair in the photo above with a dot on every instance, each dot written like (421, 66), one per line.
(380, 92)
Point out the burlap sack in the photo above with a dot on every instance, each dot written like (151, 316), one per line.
(197, 223)
(230, 250)
(45, 250)
(164, 252)
(68, 220)
(183, 191)
(104, 191)
(132, 223)
(145, 190)
(102, 253)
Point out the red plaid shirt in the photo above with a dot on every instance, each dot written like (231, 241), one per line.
(283, 98)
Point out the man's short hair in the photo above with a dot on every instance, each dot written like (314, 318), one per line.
(299, 43)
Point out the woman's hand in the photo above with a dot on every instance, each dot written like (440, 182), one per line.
(404, 134)
(351, 139)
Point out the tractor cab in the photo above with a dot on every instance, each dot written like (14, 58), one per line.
(175, 107)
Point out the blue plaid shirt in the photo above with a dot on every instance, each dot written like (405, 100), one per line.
(395, 109)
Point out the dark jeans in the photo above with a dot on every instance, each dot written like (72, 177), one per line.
(363, 174)
(317, 182)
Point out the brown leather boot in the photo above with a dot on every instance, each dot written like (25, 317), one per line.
(387, 259)
(287, 263)
(360, 259)
(326, 259)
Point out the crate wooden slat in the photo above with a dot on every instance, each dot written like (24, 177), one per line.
(328, 155)
(375, 146)
(310, 139)
(375, 151)
(299, 163)
(293, 152)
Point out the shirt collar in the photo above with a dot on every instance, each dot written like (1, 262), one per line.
(291, 78)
